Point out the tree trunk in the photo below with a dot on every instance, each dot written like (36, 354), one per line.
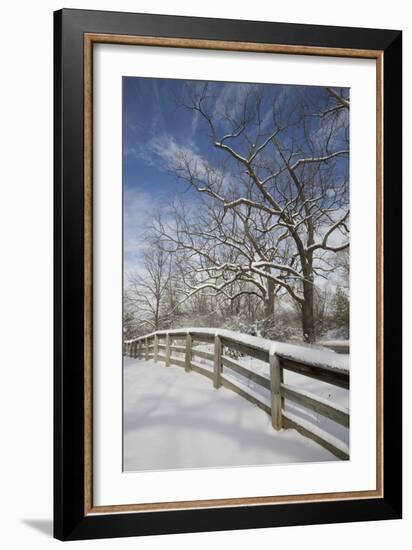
(269, 304)
(308, 318)
(270, 300)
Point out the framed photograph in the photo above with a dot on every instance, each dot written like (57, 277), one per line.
(227, 274)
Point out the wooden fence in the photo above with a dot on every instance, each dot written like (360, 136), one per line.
(164, 345)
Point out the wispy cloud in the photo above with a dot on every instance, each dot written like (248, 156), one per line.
(167, 150)
(231, 98)
(139, 209)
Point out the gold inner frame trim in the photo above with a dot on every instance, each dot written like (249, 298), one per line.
(89, 40)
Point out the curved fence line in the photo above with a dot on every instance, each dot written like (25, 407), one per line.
(325, 366)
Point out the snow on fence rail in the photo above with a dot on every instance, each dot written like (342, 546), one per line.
(323, 365)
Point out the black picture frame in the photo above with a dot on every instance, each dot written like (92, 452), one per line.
(71, 522)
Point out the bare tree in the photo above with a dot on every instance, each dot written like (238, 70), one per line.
(129, 321)
(222, 254)
(148, 288)
(276, 182)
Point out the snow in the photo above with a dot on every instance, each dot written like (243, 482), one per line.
(327, 393)
(174, 419)
(334, 342)
(338, 397)
(305, 353)
(318, 398)
(320, 433)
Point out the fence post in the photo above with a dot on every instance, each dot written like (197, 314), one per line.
(167, 358)
(188, 353)
(134, 349)
(282, 400)
(146, 341)
(217, 364)
(155, 347)
(275, 395)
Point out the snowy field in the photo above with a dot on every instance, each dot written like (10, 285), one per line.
(334, 394)
(174, 419)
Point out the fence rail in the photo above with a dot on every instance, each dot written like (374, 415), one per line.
(280, 357)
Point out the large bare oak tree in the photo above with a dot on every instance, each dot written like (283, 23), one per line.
(274, 188)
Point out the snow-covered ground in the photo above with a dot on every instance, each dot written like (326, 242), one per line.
(336, 395)
(174, 419)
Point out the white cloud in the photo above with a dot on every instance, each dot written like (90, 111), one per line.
(231, 98)
(139, 209)
(165, 148)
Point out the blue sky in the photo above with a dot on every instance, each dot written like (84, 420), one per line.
(155, 127)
